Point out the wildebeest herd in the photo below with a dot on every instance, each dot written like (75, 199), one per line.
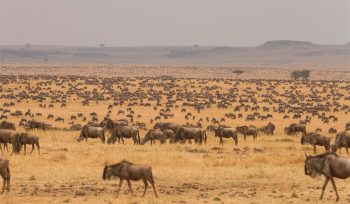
(177, 112)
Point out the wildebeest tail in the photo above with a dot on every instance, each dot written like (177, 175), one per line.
(205, 136)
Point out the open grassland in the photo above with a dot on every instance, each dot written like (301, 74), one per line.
(270, 170)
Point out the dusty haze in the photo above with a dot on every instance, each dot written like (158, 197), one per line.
(172, 23)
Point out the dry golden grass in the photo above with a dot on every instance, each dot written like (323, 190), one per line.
(270, 170)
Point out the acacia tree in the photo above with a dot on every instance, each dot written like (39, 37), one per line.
(304, 74)
(237, 72)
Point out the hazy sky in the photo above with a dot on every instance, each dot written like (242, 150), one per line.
(172, 22)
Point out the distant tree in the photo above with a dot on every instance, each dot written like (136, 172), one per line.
(304, 74)
(27, 45)
(46, 60)
(237, 72)
(102, 45)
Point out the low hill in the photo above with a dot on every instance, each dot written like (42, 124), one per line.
(281, 53)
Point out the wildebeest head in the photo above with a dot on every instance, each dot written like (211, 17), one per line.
(114, 136)
(217, 131)
(106, 173)
(287, 130)
(303, 139)
(312, 166)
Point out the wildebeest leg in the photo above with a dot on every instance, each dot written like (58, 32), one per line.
(5, 146)
(3, 183)
(32, 149)
(8, 183)
(120, 185)
(154, 188)
(314, 149)
(25, 149)
(38, 146)
(221, 141)
(324, 187)
(146, 186)
(235, 139)
(245, 137)
(129, 184)
(335, 188)
(2, 152)
(347, 151)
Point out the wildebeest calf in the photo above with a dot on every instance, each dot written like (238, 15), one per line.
(125, 170)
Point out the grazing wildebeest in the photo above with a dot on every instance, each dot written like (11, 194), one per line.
(246, 131)
(189, 133)
(121, 132)
(59, 119)
(294, 128)
(330, 165)
(226, 133)
(164, 126)
(125, 170)
(92, 132)
(342, 140)
(5, 174)
(7, 125)
(25, 138)
(110, 124)
(154, 135)
(169, 134)
(316, 139)
(269, 129)
(33, 124)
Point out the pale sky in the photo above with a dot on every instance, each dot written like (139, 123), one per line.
(172, 22)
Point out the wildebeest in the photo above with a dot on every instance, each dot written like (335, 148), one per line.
(342, 140)
(5, 174)
(121, 132)
(10, 137)
(25, 138)
(222, 132)
(189, 133)
(245, 131)
(169, 134)
(330, 165)
(269, 129)
(7, 125)
(153, 135)
(164, 126)
(294, 128)
(125, 170)
(92, 132)
(110, 124)
(316, 139)
(33, 124)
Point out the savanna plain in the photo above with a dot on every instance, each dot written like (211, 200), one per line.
(268, 170)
